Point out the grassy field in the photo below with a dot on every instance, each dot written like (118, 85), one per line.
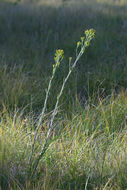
(88, 147)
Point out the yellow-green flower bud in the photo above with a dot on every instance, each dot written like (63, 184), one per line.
(59, 55)
(87, 43)
(90, 33)
(78, 44)
(82, 38)
(70, 58)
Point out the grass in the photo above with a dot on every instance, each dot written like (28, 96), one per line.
(91, 147)
(88, 149)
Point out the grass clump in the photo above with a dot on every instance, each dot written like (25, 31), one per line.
(86, 154)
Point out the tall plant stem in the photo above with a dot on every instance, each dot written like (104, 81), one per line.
(55, 112)
(41, 116)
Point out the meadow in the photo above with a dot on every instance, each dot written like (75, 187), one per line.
(87, 148)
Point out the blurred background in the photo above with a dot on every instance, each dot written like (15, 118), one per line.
(31, 31)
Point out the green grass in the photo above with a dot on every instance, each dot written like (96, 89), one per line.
(30, 34)
(88, 149)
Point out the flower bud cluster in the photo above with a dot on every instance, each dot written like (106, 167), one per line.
(85, 40)
(59, 55)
